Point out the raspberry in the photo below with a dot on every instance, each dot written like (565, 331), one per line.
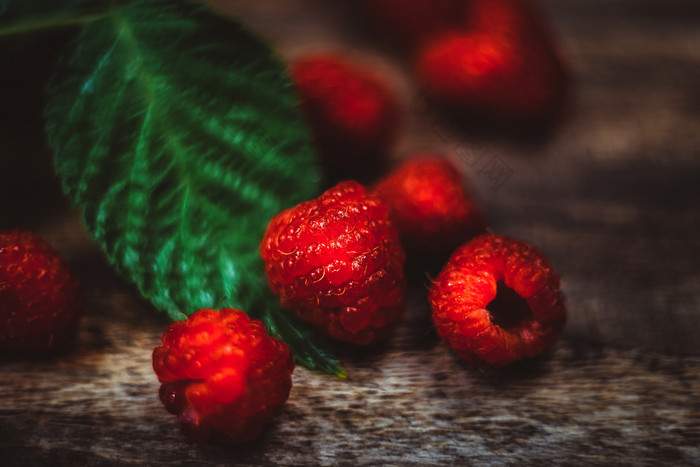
(40, 299)
(514, 17)
(409, 21)
(220, 372)
(502, 68)
(352, 112)
(430, 206)
(337, 262)
(497, 301)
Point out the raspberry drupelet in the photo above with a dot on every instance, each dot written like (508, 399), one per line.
(337, 262)
(497, 301)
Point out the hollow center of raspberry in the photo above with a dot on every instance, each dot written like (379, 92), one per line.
(508, 309)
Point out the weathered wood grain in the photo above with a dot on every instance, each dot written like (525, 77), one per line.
(612, 198)
(408, 401)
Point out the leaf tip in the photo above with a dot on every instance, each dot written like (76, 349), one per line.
(176, 315)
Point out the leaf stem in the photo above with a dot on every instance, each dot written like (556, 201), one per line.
(24, 27)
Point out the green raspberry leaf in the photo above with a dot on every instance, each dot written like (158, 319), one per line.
(176, 133)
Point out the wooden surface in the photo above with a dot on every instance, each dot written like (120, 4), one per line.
(612, 198)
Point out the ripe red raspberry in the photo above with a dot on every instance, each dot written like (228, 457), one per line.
(352, 112)
(220, 372)
(40, 299)
(502, 68)
(497, 301)
(409, 21)
(337, 262)
(430, 206)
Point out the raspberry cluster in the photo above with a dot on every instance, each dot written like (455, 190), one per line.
(431, 206)
(494, 61)
(353, 113)
(220, 372)
(338, 263)
(469, 295)
(40, 298)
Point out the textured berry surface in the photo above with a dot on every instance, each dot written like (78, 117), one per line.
(220, 372)
(430, 206)
(475, 301)
(352, 112)
(40, 300)
(409, 21)
(501, 67)
(338, 263)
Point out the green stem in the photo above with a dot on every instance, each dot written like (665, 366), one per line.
(25, 27)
